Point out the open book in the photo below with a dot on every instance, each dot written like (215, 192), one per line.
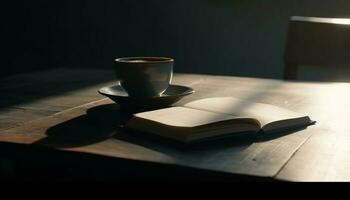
(212, 117)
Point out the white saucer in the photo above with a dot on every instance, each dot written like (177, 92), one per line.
(173, 94)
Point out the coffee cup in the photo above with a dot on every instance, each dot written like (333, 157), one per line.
(144, 76)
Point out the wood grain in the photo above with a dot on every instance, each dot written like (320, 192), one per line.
(319, 152)
(32, 96)
(263, 158)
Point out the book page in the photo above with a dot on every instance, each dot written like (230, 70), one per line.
(185, 117)
(264, 113)
(188, 124)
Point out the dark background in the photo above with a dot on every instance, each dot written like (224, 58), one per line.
(232, 37)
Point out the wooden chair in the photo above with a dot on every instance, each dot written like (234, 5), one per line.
(313, 41)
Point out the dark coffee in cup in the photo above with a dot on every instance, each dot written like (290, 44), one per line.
(144, 76)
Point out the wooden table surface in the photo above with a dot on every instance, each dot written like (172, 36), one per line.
(57, 116)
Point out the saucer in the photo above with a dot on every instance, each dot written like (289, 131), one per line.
(172, 94)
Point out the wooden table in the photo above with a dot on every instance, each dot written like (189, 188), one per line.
(57, 118)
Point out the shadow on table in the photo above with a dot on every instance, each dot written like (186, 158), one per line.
(106, 122)
(98, 124)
